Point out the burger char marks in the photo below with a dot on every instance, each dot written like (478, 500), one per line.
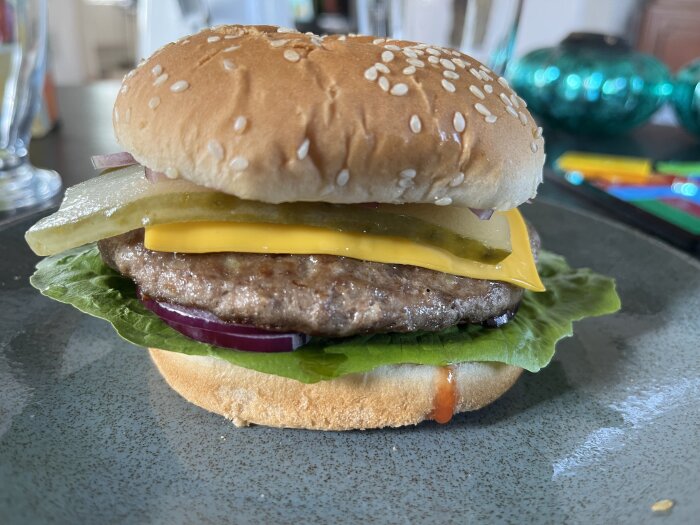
(320, 295)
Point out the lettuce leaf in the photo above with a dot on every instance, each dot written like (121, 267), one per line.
(79, 277)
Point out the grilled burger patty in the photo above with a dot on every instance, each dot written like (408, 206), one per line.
(321, 295)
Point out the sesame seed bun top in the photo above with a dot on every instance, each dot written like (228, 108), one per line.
(270, 114)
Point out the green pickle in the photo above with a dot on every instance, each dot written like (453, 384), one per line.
(124, 200)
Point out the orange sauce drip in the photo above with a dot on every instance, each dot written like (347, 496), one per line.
(445, 399)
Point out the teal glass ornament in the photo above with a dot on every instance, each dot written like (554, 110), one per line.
(686, 96)
(592, 84)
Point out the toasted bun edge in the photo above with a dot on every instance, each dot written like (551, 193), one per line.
(389, 396)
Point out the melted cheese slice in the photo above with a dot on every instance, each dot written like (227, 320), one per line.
(207, 237)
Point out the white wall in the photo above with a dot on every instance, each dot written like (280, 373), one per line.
(67, 54)
(546, 22)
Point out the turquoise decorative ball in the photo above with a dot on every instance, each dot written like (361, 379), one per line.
(592, 84)
(686, 96)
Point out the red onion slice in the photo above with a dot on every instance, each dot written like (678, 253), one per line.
(112, 160)
(155, 176)
(484, 215)
(208, 328)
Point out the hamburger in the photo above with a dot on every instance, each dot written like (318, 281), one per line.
(319, 232)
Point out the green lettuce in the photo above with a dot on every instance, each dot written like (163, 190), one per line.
(79, 277)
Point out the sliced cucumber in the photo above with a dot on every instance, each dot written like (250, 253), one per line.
(123, 200)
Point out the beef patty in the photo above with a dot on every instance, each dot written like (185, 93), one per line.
(321, 295)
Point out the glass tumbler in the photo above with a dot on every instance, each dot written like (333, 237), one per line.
(22, 68)
(484, 29)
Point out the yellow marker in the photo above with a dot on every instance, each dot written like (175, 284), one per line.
(605, 166)
(207, 237)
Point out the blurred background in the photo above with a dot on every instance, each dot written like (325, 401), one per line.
(91, 40)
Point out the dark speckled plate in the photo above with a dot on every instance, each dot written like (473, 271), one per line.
(89, 433)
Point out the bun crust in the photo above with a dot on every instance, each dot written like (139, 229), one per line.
(278, 116)
(388, 396)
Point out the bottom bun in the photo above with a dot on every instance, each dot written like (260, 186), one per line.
(388, 396)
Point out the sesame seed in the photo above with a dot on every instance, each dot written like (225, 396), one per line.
(291, 55)
(240, 124)
(231, 37)
(432, 51)
(399, 89)
(523, 118)
(342, 178)
(384, 83)
(286, 30)
(416, 62)
(447, 64)
(186, 41)
(408, 173)
(161, 78)
(475, 73)
(514, 100)
(443, 201)
(512, 111)
(378, 41)
(212, 39)
(421, 46)
(382, 68)
(488, 88)
(409, 70)
(415, 124)
(502, 81)
(279, 43)
(239, 163)
(506, 101)
(482, 109)
(409, 53)
(371, 74)
(130, 74)
(533, 147)
(156, 70)
(521, 100)
(459, 62)
(342, 38)
(484, 68)
(457, 180)
(538, 133)
(387, 56)
(154, 102)
(317, 41)
(229, 65)
(455, 53)
(450, 74)
(303, 150)
(392, 47)
(458, 122)
(124, 89)
(485, 76)
(433, 59)
(491, 119)
(449, 86)
(179, 86)
(477, 92)
(232, 48)
(216, 150)
(171, 172)
(419, 52)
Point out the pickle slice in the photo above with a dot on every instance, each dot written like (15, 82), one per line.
(123, 200)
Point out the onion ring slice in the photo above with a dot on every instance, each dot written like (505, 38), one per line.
(112, 160)
(207, 328)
